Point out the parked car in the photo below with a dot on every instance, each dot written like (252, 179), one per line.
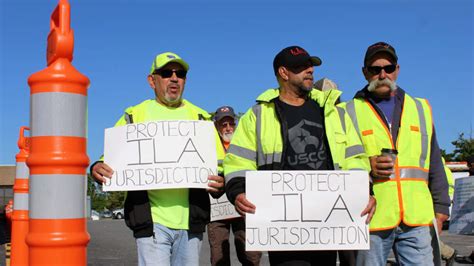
(95, 215)
(106, 214)
(118, 214)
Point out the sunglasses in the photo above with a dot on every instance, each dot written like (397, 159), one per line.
(375, 70)
(167, 73)
(228, 124)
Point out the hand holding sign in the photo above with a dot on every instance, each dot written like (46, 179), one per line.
(101, 171)
(216, 183)
(243, 206)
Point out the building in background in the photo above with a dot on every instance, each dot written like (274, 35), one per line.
(459, 169)
(7, 179)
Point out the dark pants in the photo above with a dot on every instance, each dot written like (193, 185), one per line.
(347, 257)
(218, 233)
(302, 258)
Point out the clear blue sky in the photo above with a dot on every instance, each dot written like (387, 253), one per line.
(230, 47)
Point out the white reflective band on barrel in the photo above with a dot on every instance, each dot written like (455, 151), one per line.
(22, 171)
(413, 173)
(65, 198)
(423, 131)
(20, 202)
(58, 114)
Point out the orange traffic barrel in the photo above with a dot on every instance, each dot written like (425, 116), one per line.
(19, 249)
(58, 159)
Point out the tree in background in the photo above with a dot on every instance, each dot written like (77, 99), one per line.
(115, 200)
(103, 200)
(463, 148)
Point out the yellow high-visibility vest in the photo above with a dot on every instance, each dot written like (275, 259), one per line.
(258, 144)
(450, 178)
(405, 196)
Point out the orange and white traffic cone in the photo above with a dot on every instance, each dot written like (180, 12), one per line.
(58, 159)
(19, 249)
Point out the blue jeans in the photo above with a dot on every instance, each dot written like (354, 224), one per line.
(169, 247)
(412, 246)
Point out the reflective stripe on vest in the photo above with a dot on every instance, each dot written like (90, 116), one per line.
(354, 150)
(257, 111)
(423, 131)
(243, 152)
(340, 112)
(262, 157)
(409, 186)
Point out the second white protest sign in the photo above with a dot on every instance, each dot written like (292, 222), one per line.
(307, 210)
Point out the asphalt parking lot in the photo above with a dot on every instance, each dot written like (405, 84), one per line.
(112, 243)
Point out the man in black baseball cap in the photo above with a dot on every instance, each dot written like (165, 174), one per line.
(292, 128)
(294, 57)
(294, 68)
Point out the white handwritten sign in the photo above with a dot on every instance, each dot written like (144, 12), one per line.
(222, 209)
(307, 210)
(160, 154)
(462, 216)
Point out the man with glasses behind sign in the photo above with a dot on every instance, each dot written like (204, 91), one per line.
(219, 231)
(168, 224)
(409, 181)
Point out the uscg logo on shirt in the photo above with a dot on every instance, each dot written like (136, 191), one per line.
(309, 149)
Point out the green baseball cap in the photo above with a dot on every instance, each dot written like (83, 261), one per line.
(165, 58)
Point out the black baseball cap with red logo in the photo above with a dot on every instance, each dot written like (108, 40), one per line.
(293, 57)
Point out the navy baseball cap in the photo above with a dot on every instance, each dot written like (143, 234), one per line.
(224, 111)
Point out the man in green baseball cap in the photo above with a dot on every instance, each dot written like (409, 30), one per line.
(165, 58)
(168, 224)
(167, 78)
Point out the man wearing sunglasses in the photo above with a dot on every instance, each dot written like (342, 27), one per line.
(410, 186)
(293, 127)
(168, 224)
